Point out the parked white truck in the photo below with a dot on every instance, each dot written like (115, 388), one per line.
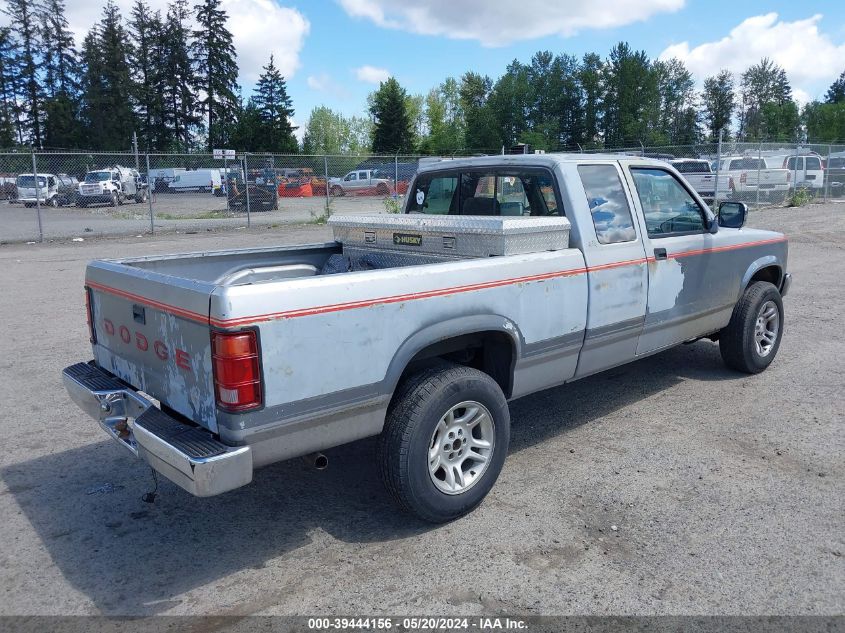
(506, 275)
(113, 185)
(698, 173)
(750, 176)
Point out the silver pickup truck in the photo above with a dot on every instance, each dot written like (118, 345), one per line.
(506, 275)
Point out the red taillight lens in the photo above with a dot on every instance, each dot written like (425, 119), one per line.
(743, 177)
(237, 375)
(89, 315)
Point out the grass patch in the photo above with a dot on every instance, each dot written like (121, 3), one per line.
(207, 215)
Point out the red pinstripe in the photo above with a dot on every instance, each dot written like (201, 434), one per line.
(365, 303)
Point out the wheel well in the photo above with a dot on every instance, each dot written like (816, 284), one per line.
(771, 274)
(491, 352)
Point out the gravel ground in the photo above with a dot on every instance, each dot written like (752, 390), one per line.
(172, 213)
(725, 490)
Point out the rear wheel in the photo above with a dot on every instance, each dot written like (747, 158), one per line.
(751, 340)
(381, 189)
(444, 441)
(53, 202)
(141, 196)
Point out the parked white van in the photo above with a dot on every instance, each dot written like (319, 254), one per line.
(195, 180)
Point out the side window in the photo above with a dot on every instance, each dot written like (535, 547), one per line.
(433, 194)
(608, 204)
(352, 176)
(813, 163)
(667, 206)
(526, 193)
(362, 175)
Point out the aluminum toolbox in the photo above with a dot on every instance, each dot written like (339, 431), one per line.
(459, 236)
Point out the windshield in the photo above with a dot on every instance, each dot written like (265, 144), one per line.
(97, 176)
(29, 181)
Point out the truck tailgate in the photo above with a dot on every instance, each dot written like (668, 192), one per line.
(151, 331)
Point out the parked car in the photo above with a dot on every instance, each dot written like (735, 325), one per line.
(418, 328)
(113, 185)
(748, 176)
(41, 189)
(697, 173)
(361, 181)
(8, 188)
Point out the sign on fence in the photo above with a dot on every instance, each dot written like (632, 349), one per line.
(220, 154)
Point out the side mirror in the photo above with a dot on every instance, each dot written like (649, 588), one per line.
(732, 215)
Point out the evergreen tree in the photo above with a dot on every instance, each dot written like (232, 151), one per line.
(93, 90)
(629, 94)
(275, 108)
(590, 80)
(675, 123)
(480, 123)
(61, 81)
(179, 99)
(246, 133)
(217, 71)
(825, 122)
(10, 128)
(510, 104)
(763, 83)
(147, 29)
(718, 104)
(26, 37)
(836, 92)
(392, 132)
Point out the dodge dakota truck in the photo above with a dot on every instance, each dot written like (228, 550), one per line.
(506, 275)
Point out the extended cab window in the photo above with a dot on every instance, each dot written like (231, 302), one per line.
(608, 204)
(433, 194)
(667, 206)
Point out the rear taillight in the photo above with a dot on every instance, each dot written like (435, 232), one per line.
(237, 373)
(89, 315)
(789, 176)
(743, 178)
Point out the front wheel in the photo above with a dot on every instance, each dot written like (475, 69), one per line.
(444, 441)
(113, 201)
(336, 191)
(751, 340)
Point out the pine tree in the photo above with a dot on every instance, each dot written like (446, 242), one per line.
(481, 129)
(217, 71)
(392, 132)
(629, 94)
(718, 102)
(590, 77)
(10, 128)
(180, 111)
(763, 83)
(146, 29)
(24, 28)
(106, 84)
(275, 108)
(61, 81)
(836, 92)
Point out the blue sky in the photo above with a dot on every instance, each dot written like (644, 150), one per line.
(338, 43)
(322, 45)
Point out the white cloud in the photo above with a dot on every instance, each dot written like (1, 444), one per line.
(500, 22)
(259, 28)
(804, 53)
(371, 74)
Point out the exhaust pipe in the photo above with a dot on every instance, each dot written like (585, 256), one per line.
(317, 461)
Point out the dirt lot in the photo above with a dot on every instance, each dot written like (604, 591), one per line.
(172, 212)
(726, 490)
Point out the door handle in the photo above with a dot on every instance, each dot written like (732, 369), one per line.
(660, 253)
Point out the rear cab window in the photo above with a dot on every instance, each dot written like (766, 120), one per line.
(511, 191)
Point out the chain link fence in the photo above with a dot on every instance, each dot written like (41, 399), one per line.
(67, 195)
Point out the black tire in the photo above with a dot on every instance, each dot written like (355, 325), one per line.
(737, 342)
(336, 191)
(53, 202)
(114, 199)
(141, 196)
(381, 189)
(412, 417)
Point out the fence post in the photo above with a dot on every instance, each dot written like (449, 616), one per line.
(248, 221)
(795, 170)
(642, 149)
(825, 174)
(396, 177)
(226, 175)
(759, 159)
(37, 196)
(326, 167)
(718, 168)
(150, 188)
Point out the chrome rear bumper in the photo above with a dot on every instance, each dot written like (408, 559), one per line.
(187, 455)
